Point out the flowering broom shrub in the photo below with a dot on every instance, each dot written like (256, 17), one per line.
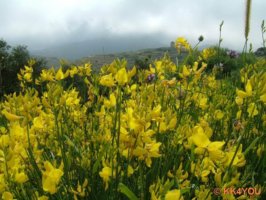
(167, 132)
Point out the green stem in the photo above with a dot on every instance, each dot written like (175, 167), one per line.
(237, 148)
(118, 135)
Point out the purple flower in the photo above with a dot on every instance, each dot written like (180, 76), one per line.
(151, 77)
(232, 54)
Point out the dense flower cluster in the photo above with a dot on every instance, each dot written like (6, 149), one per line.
(169, 132)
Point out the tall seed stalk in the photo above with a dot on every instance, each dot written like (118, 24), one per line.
(220, 41)
(263, 30)
(247, 25)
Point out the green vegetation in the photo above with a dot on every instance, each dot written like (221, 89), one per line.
(12, 59)
(171, 130)
(187, 124)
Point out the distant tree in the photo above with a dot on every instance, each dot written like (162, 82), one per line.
(19, 56)
(17, 59)
(4, 56)
(11, 61)
(261, 51)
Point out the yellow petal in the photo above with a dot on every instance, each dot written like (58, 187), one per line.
(252, 110)
(172, 123)
(218, 114)
(239, 100)
(59, 75)
(200, 139)
(107, 80)
(21, 177)
(7, 196)
(215, 145)
(263, 98)
(173, 195)
(186, 72)
(248, 88)
(132, 72)
(241, 93)
(43, 198)
(121, 76)
(216, 155)
(10, 116)
(112, 99)
(130, 170)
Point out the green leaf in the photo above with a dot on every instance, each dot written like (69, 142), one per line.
(252, 144)
(95, 166)
(167, 187)
(126, 191)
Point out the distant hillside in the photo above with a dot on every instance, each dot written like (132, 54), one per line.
(108, 45)
(131, 56)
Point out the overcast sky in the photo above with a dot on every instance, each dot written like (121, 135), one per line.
(42, 23)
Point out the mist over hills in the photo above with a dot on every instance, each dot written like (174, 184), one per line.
(86, 48)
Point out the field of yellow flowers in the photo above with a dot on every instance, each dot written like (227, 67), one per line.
(172, 132)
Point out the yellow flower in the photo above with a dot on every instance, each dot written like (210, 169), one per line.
(27, 77)
(247, 93)
(173, 195)
(87, 69)
(21, 177)
(252, 110)
(263, 98)
(260, 150)
(59, 74)
(151, 150)
(215, 153)
(218, 114)
(130, 170)
(248, 88)
(201, 140)
(172, 123)
(7, 196)
(26, 74)
(110, 103)
(171, 82)
(156, 112)
(132, 72)
(51, 178)
(239, 100)
(81, 189)
(4, 141)
(73, 71)
(47, 75)
(204, 175)
(10, 116)
(38, 122)
(202, 101)
(107, 80)
(186, 71)
(218, 177)
(43, 198)
(208, 53)
(203, 193)
(241, 94)
(121, 76)
(105, 174)
(239, 159)
(182, 42)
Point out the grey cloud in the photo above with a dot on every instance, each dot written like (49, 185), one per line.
(41, 24)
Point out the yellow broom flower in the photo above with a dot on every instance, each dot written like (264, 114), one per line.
(10, 116)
